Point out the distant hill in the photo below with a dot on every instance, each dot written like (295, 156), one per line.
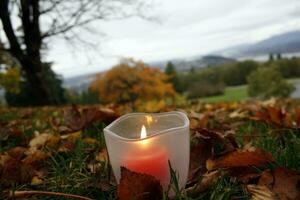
(80, 83)
(196, 62)
(284, 43)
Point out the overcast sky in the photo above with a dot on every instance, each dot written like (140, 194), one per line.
(186, 28)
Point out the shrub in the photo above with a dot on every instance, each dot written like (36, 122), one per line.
(203, 88)
(268, 82)
(236, 73)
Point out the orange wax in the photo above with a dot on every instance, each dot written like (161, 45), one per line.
(153, 161)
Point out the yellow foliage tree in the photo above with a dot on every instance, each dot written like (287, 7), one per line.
(10, 74)
(134, 82)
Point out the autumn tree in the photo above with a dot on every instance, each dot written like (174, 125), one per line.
(9, 73)
(29, 25)
(133, 82)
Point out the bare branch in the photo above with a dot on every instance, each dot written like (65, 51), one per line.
(9, 31)
(52, 6)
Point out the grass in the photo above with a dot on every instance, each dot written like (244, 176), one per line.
(236, 93)
(283, 144)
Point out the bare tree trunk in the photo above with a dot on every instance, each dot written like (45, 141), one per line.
(34, 75)
(30, 57)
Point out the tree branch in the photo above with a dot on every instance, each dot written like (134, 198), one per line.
(15, 48)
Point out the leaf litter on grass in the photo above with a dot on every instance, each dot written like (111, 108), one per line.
(239, 150)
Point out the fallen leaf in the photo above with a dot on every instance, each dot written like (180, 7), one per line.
(206, 181)
(102, 156)
(261, 192)
(244, 174)
(286, 184)
(72, 137)
(209, 134)
(14, 171)
(39, 140)
(239, 113)
(67, 147)
(199, 153)
(73, 119)
(266, 179)
(91, 141)
(76, 120)
(53, 141)
(35, 159)
(36, 180)
(198, 120)
(17, 152)
(240, 158)
(275, 114)
(138, 186)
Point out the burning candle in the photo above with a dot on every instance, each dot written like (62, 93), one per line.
(144, 143)
(148, 159)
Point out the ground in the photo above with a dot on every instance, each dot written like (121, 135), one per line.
(239, 150)
(235, 93)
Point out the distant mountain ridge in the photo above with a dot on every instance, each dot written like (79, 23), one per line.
(288, 42)
(196, 62)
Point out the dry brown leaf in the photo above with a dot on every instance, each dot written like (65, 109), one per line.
(240, 158)
(286, 184)
(39, 140)
(261, 192)
(266, 179)
(73, 119)
(239, 113)
(102, 156)
(76, 120)
(17, 152)
(36, 180)
(138, 186)
(244, 174)
(209, 134)
(14, 171)
(67, 147)
(198, 156)
(4, 158)
(208, 179)
(275, 114)
(217, 137)
(198, 120)
(72, 137)
(35, 159)
(53, 141)
(90, 141)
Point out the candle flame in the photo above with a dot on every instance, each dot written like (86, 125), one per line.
(143, 132)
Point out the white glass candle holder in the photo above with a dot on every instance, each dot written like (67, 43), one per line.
(167, 139)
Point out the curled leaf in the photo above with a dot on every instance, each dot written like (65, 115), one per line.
(240, 158)
(138, 186)
(261, 192)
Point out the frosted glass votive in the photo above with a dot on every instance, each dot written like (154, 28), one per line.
(167, 138)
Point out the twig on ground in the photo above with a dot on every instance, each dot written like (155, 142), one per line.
(21, 194)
